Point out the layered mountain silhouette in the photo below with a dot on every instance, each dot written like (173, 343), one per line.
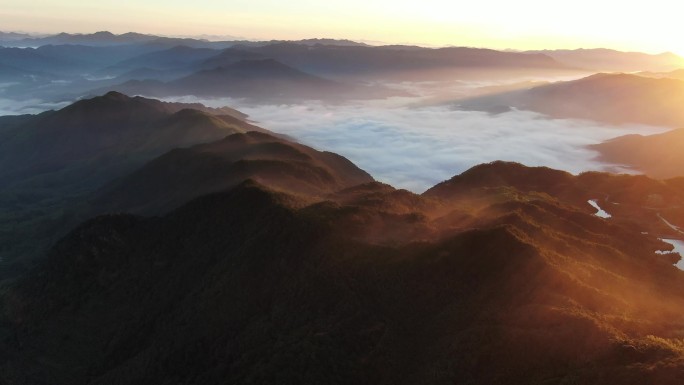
(32, 60)
(676, 74)
(177, 57)
(109, 39)
(101, 38)
(406, 62)
(73, 65)
(261, 79)
(495, 276)
(229, 57)
(659, 155)
(601, 59)
(610, 98)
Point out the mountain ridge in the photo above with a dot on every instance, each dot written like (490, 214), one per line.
(255, 285)
(605, 97)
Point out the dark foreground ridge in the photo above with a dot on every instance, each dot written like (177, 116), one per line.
(51, 162)
(499, 275)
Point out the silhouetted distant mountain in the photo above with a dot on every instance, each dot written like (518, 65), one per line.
(172, 58)
(611, 98)
(333, 42)
(265, 80)
(676, 74)
(601, 59)
(28, 59)
(488, 278)
(229, 56)
(254, 78)
(88, 59)
(390, 61)
(12, 36)
(102, 38)
(659, 156)
(108, 39)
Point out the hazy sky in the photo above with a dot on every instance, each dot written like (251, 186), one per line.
(652, 26)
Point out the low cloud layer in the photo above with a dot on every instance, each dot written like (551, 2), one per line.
(415, 148)
(31, 106)
(411, 146)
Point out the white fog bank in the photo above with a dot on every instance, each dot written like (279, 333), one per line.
(416, 147)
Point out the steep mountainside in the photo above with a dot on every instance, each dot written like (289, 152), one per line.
(183, 174)
(102, 127)
(659, 156)
(50, 161)
(611, 98)
(634, 201)
(491, 277)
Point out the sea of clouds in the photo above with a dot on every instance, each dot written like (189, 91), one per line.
(416, 147)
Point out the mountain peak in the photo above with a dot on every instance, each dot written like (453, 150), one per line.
(114, 95)
(103, 34)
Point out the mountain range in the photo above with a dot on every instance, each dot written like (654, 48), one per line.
(261, 79)
(497, 275)
(609, 98)
(49, 161)
(659, 155)
(602, 60)
(65, 67)
(149, 242)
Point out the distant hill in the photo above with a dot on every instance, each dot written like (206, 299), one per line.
(676, 74)
(334, 42)
(610, 98)
(229, 56)
(604, 60)
(12, 36)
(90, 59)
(255, 78)
(393, 61)
(495, 276)
(28, 59)
(172, 58)
(108, 39)
(659, 156)
(265, 80)
(102, 38)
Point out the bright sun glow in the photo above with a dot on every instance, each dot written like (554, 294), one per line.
(524, 24)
